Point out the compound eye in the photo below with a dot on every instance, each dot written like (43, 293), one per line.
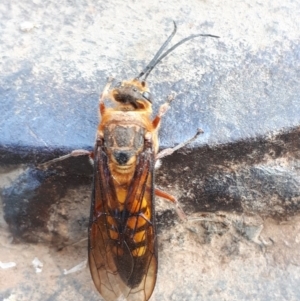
(147, 96)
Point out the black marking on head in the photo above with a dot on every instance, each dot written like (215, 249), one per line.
(126, 99)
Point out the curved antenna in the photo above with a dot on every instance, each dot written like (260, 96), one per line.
(161, 49)
(159, 56)
(150, 68)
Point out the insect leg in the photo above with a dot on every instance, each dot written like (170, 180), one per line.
(170, 151)
(74, 153)
(104, 95)
(172, 199)
(162, 111)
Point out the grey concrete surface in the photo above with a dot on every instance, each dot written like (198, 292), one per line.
(56, 58)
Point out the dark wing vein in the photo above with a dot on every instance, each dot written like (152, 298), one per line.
(125, 266)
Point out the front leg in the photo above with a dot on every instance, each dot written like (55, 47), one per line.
(162, 111)
(105, 95)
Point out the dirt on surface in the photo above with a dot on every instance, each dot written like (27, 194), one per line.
(220, 256)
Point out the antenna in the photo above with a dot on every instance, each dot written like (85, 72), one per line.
(159, 56)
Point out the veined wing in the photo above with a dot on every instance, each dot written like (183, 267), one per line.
(122, 243)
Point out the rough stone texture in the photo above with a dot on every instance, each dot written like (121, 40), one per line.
(239, 184)
(242, 85)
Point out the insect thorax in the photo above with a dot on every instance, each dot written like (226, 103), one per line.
(124, 141)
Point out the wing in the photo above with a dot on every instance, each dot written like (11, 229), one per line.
(122, 243)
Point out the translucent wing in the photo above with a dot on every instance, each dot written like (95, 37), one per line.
(122, 242)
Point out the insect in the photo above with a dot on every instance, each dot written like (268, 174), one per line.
(122, 235)
(122, 239)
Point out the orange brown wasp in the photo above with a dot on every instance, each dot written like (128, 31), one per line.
(122, 239)
(122, 234)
